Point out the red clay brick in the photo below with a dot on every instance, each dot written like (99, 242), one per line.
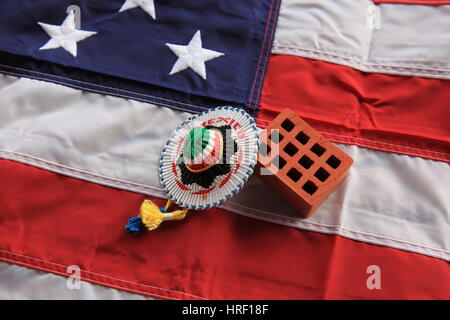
(311, 166)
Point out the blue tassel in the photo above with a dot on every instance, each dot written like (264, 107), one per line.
(134, 225)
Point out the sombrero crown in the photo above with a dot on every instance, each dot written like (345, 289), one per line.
(202, 149)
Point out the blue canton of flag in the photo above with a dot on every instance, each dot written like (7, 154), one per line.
(183, 54)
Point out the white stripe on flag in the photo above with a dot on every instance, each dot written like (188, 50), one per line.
(387, 38)
(20, 283)
(388, 199)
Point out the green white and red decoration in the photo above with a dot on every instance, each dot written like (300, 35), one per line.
(202, 149)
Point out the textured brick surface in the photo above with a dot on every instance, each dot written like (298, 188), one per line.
(310, 166)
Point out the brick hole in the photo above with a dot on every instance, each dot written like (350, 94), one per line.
(279, 162)
(310, 187)
(306, 162)
(290, 149)
(264, 149)
(302, 137)
(276, 138)
(322, 174)
(318, 149)
(294, 174)
(333, 162)
(287, 125)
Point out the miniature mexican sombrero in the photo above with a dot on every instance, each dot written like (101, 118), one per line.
(206, 161)
(209, 157)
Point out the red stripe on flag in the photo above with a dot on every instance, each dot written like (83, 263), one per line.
(407, 115)
(49, 222)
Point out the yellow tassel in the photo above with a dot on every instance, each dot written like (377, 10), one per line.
(152, 216)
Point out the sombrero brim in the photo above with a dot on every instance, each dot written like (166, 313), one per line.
(224, 184)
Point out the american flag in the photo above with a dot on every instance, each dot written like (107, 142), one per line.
(91, 90)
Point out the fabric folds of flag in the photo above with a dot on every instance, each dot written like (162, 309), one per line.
(89, 95)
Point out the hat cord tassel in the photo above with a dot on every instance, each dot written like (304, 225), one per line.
(151, 216)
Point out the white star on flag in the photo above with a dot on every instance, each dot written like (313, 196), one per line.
(192, 56)
(146, 5)
(65, 36)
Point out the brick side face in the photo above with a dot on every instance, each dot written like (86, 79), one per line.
(305, 168)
